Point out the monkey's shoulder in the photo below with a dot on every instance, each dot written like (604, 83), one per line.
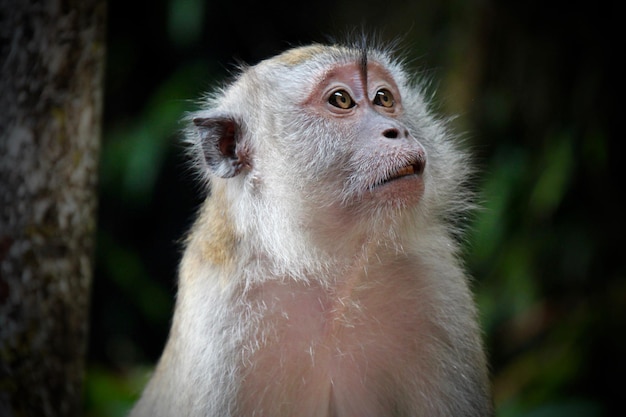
(213, 238)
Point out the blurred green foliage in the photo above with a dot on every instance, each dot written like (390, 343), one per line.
(534, 86)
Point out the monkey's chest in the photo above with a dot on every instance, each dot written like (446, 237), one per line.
(316, 352)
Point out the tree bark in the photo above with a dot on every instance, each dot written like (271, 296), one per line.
(51, 75)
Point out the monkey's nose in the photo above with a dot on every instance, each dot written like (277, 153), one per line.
(394, 133)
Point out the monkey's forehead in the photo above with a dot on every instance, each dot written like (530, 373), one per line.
(296, 70)
(297, 56)
(324, 54)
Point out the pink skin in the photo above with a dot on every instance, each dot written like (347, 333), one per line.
(346, 348)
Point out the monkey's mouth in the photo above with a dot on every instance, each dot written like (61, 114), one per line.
(414, 169)
(403, 172)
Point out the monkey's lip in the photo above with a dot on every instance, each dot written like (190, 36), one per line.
(407, 170)
(415, 169)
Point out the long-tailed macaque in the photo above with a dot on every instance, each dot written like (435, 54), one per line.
(322, 277)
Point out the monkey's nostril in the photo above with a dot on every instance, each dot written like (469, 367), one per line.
(391, 133)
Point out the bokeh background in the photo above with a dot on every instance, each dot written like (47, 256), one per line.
(534, 85)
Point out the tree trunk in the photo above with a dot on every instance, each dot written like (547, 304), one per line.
(51, 75)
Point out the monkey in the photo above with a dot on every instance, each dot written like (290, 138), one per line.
(323, 276)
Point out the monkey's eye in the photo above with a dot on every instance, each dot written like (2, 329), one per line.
(384, 98)
(341, 99)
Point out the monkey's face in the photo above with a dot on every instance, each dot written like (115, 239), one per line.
(358, 153)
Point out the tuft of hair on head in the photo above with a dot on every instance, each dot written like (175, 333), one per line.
(365, 40)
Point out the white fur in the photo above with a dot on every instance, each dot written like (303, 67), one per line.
(313, 312)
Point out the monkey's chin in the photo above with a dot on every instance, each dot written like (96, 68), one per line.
(404, 191)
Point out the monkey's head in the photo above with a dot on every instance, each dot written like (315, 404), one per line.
(328, 142)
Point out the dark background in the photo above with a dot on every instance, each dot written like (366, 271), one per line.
(535, 87)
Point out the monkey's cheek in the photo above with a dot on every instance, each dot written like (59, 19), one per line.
(402, 192)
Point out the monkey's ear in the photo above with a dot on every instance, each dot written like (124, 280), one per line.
(219, 139)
